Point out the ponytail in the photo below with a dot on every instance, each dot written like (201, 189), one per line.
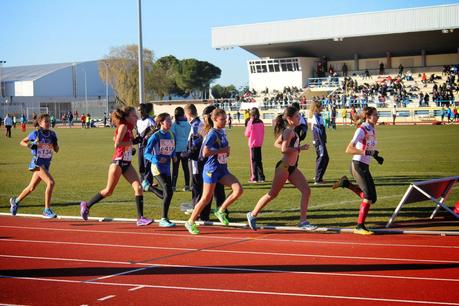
(209, 120)
(280, 123)
(40, 117)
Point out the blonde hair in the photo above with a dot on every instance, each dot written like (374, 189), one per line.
(314, 108)
(209, 119)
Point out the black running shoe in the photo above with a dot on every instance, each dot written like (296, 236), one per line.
(343, 182)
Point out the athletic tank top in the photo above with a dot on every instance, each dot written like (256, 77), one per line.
(124, 153)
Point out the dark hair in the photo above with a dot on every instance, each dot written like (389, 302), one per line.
(120, 114)
(208, 110)
(280, 123)
(367, 112)
(191, 108)
(145, 109)
(179, 113)
(296, 105)
(255, 113)
(160, 119)
(40, 117)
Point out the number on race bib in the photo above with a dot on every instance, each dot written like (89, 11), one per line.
(166, 146)
(45, 150)
(127, 155)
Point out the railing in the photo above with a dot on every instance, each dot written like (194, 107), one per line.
(323, 82)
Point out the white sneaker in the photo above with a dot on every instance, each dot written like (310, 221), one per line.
(307, 226)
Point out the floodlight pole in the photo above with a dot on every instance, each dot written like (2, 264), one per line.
(1, 79)
(141, 81)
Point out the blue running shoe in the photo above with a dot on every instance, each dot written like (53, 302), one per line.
(166, 223)
(252, 221)
(49, 214)
(145, 185)
(14, 206)
(84, 211)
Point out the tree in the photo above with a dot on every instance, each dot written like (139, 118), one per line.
(196, 75)
(163, 77)
(123, 72)
(224, 92)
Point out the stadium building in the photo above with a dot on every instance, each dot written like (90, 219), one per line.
(290, 52)
(55, 88)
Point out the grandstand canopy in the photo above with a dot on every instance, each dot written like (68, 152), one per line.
(402, 32)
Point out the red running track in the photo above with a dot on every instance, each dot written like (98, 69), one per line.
(54, 262)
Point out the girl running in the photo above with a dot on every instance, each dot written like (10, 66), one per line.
(160, 149)
(216, 149)
(286, 169)
(124, 119)
(362, 147)
(42, 143)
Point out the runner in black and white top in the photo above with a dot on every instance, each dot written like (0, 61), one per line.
(363, 147)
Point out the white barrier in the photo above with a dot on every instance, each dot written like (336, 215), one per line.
(436, 190)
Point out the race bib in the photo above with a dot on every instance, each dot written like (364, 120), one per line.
(127, 154)
(222, 158)
(371, 142)
(45, 150)
(166, 146)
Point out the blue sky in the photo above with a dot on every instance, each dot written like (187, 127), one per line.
(55, 31)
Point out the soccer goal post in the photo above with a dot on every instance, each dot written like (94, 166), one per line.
(36, 110)
(436, 191)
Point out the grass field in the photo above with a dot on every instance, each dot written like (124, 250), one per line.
(80, 170)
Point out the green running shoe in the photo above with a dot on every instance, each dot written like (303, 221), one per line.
(192, 228)
(221, 217)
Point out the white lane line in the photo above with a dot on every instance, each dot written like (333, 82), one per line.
(136, 288)
(121, 273)
(106, 298)
(232, 252)
(239, 269)
(219, 290)
(233, 238)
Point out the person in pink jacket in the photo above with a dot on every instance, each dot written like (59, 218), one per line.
(255, 132)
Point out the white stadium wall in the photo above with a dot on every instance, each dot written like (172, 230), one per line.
(24, 88)
(55, 84)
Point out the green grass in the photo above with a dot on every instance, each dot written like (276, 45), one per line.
(80, 170)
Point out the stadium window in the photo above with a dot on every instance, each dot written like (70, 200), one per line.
(271, 68)
(252, 69)
(276, 67)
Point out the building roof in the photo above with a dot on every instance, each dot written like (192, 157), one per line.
(30, 73)
(401, 32)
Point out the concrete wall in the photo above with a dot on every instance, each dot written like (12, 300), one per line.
(56, 84)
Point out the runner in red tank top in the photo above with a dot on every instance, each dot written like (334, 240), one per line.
(124, 120)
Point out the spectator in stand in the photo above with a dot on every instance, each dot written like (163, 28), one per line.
(8, 124)
(400, 69)
(181, 129)
(381, 68)
(344, 69)
(255, 132)
(424, 78)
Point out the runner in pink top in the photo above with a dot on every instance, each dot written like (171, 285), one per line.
(255, 132)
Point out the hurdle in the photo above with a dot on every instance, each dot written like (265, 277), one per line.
(435, 190)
